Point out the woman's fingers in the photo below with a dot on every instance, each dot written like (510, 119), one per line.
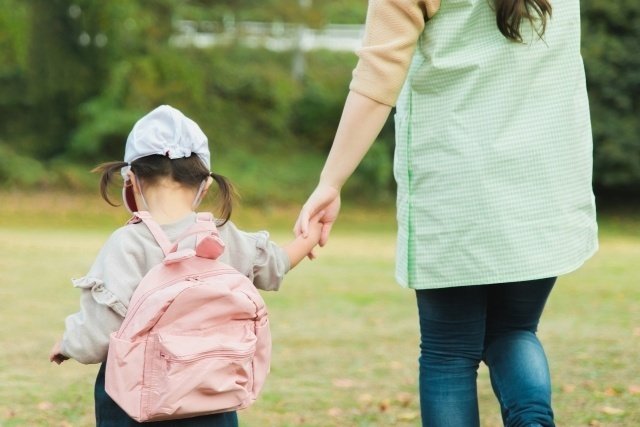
(301, 226)
(324, 234)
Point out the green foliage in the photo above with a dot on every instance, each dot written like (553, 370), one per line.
(315, 13)
(257, 90)
(19, 171)
(611, 50)
(373, 179)
(13, 34)
(64, 69)
(344, 12)
(235, 95)
(317, 111)
(76, 74)
(13, 57)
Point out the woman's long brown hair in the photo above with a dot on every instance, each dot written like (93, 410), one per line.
(510, 13)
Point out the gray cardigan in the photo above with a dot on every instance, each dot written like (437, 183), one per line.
(129, 253)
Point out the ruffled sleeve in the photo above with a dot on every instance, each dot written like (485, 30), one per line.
(106, 292)
(86, 337)
(253, 254)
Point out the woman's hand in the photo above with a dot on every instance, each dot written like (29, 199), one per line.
(324, 198)
(361, 122)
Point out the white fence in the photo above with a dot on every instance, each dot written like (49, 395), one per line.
(273, 36)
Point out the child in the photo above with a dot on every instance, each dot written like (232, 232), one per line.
(166, 170)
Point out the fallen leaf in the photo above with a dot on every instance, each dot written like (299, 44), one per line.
(408, 416)
(45, 406)
(568, 388)
(409, 380)
(610, 391)
(395, 365)
(365, 399)
(343, 383)
(335, 412)
(594, 423)
(634, 389)
(610, 410)
(384, 405)
(404, 399)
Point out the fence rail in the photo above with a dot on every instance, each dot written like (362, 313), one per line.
(276, 36)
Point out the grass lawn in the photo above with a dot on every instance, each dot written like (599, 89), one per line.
(345, 335)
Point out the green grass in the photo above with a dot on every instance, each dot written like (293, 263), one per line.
(345, 335)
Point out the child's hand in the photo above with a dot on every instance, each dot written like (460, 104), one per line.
(55, 355)
(315, 228)
(314, 232)
(302, 246)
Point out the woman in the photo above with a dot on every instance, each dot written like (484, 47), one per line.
(493, 163)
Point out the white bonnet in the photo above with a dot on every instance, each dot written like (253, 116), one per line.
(167, 132)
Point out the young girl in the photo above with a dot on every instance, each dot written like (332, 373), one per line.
(166, 170)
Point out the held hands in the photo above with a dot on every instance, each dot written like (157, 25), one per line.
(302, 246)
(313, 234)
(321, 208)
(55, 355)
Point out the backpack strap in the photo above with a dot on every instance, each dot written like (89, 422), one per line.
(208, 242)
(155, 229)
(204, 225)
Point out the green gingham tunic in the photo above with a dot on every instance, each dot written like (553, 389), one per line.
(493, 152)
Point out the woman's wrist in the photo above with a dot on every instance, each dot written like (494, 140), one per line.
(328, 180)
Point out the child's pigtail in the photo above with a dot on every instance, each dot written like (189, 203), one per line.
(226, 196)
(108, 170)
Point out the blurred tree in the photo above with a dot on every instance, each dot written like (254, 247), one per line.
(611, 50)
(317, 111)
(65, 67)
(76, 74)
(74, 47)
(13, 58)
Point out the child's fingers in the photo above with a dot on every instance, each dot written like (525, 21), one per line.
(57, 358)
(311, 255)
(324, 233)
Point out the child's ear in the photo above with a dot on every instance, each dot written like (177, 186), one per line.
(208, 184)
(133, 181)
(206, 187)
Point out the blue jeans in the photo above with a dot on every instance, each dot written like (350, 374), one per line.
(109, 414)
(496, 324)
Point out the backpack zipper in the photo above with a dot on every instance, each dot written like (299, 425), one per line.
(228, 354)
(194, 278)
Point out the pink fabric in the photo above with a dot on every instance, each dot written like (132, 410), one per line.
(195, 339)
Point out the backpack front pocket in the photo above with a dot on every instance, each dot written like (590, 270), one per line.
(207, 374)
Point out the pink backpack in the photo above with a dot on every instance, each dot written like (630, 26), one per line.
(195, 339)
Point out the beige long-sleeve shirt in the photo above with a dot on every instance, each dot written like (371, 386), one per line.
(391, 34)
(129, 253)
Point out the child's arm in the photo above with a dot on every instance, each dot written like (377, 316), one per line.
(299, 248)
(103, 299)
